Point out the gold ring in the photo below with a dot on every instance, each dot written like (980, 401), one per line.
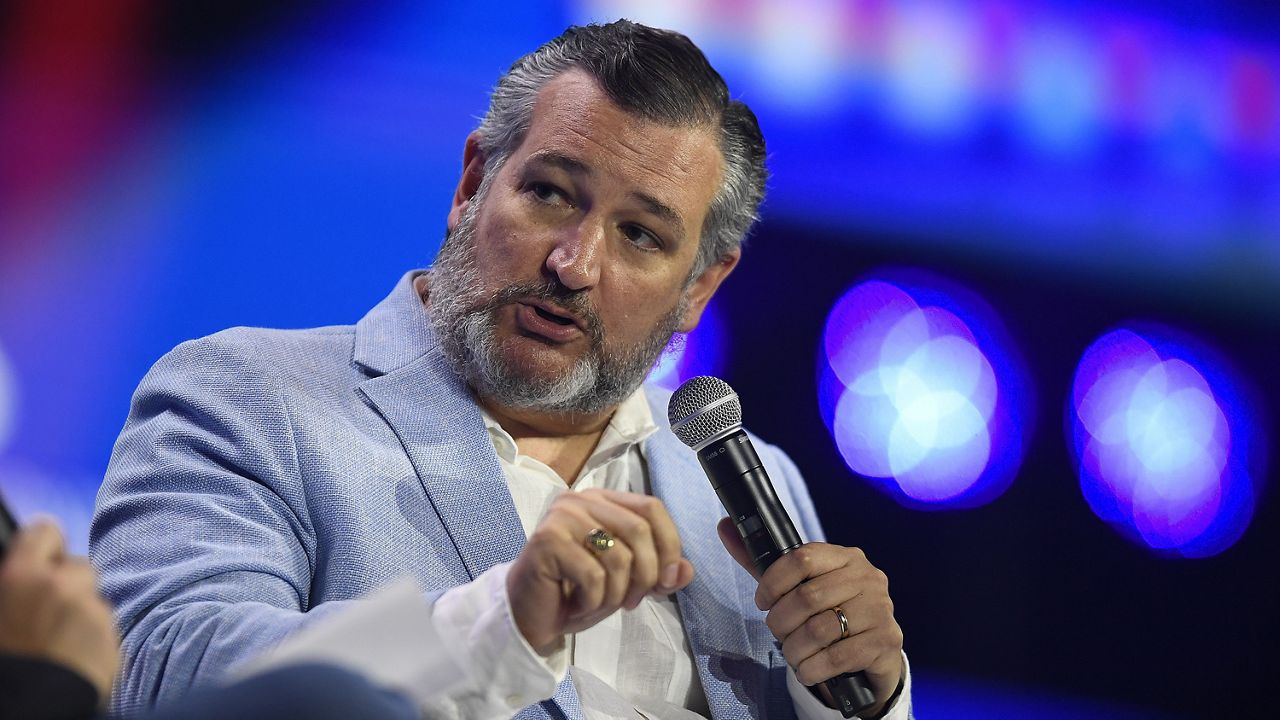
(844, 622)
(599, 540)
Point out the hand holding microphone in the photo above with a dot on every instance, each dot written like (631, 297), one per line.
(827, 604)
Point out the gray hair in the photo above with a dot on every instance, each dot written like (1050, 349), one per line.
(661, 76)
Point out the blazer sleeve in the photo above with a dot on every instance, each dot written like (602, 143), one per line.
(200, 531)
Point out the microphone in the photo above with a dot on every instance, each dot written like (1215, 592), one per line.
(706, 415)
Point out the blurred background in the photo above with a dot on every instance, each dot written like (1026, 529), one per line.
(1012, 307)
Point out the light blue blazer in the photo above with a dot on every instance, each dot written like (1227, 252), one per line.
(266, 478)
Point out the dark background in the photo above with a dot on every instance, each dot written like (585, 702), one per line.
(1031, 588)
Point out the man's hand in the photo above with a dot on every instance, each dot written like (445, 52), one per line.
(558, 586)
(800, 590)
(50, 608)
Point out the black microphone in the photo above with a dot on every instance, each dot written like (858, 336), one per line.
(706, 415)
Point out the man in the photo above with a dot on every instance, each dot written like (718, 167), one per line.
(59, 652)
(484, 429)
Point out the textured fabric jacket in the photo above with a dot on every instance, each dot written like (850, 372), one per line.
(266, 478)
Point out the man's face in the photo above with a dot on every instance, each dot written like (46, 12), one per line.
(564, 276)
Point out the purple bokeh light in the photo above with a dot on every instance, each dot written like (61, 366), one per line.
(920, 394)
(1165, 443)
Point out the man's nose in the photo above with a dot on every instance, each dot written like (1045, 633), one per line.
(576, 257)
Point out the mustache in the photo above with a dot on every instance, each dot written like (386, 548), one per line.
(573, 301)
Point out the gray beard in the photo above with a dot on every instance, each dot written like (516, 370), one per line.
(466, 322)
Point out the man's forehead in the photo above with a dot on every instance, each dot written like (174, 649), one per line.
(574, 118)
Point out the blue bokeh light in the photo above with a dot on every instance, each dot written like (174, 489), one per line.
(921, 393)
(1167, 448)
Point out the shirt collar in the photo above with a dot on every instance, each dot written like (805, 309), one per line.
(632, 423)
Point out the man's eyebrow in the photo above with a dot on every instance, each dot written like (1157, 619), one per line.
(577, 167)
(662, 210)
(564, 162)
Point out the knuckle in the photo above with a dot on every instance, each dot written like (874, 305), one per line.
(807, 673)
(851, 656)
(886, 606)
(595, 576)
(807, 559)
(813, 631)
(842, 654)
(651, 505)
(790, 650)
(640, 530)
(810, 594)
(774, 623)
(620, 556)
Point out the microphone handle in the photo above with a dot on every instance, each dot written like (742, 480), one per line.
(744, 489)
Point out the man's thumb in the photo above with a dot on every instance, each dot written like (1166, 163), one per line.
(733, 543)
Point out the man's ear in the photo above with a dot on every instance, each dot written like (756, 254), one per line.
(705, 286)
(472, 175)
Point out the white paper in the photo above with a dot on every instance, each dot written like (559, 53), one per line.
(387, 636)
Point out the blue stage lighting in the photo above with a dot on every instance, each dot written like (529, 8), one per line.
(701, 352)
(920, 394)
(1060, 90)
(932, 66)
(1166, 447)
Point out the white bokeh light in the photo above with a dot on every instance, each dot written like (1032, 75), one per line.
(920, 416)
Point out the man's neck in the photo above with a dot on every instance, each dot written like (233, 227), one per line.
(561, 441)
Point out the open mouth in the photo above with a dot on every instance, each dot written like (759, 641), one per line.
(558, 319)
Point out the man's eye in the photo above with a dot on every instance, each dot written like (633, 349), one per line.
(547, 193)
(641, 238)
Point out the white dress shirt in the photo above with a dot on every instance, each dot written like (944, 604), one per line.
(654, 677)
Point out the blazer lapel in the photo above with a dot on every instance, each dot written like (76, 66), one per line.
(438, 424)
(711, 606)
(445, 438)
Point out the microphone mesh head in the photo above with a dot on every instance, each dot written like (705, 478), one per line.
(702, 408)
